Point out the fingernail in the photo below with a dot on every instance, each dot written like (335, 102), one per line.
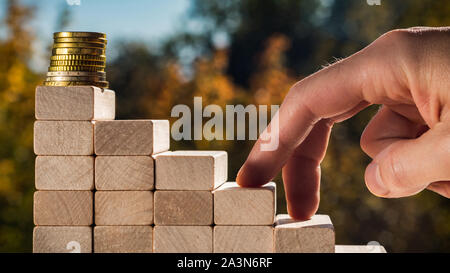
(378, 188)
(380, 183)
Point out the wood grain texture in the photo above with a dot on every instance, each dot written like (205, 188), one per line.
(312, 236)
(360, 249)
(123, 208)
(131, 137)
(124, 173)
(63, 208)
(123, 239)
(243, 239)
(74, 103)
(63, 138)
(183, 239)
(62, 239)
(64, 173)
(191, 170)
(234, 205)
(188, 208)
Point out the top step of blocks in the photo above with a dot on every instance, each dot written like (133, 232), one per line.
(74, 103)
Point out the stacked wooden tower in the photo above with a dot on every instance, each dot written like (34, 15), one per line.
(106, 185)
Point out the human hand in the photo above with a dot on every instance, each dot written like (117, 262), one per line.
(408, 73)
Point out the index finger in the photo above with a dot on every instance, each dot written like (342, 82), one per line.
(332, 93)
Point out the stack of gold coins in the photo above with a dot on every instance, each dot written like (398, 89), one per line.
(78, 58)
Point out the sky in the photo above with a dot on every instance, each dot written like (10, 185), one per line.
(145, 20)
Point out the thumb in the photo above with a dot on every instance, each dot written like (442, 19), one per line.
(407, 166)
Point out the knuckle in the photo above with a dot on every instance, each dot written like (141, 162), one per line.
(400, 37)
(396, 35)
(295, 89)
(402, 43)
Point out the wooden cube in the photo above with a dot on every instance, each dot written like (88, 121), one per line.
(314, 235)
(123, 239)
(191, 170)
(124, 173)
(183, 239)
(62, 239)
(234, 205)
(123, 208)
(63, 208)
(64, 173)
(185, 208)
(63, 138)
(131, 137)
(74, 103)
(360, 249)
(243, 239)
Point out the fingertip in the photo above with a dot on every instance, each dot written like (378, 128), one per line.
(249, 178)
(238, 177)
(303, 208)
(301, 214)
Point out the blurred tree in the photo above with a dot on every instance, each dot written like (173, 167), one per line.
(249, 24)
(17, 83)
(264, 47)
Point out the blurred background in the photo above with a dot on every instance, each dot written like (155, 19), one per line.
(163, 53)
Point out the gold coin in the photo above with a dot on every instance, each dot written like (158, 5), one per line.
(76, 68)
(78, 63)
(79, 34)
(103, 84)
(78, 57)
(80, 45)
(77, 50)
(76, 79)
(80, 40)
(75, 74)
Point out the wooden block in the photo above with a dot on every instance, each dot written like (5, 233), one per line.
(124, 173)
(314, 235)
(62, 240)
(191, 170)
(123, 208)
(243, 239)
(234, 205)
(64, 173)
(183, 239)
(74, 103)
(131, 137)
(63, 138)
(63, 208)
(123, 239)
(360, 249)
(183, 208)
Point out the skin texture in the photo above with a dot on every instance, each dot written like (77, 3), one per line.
(407, 72)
